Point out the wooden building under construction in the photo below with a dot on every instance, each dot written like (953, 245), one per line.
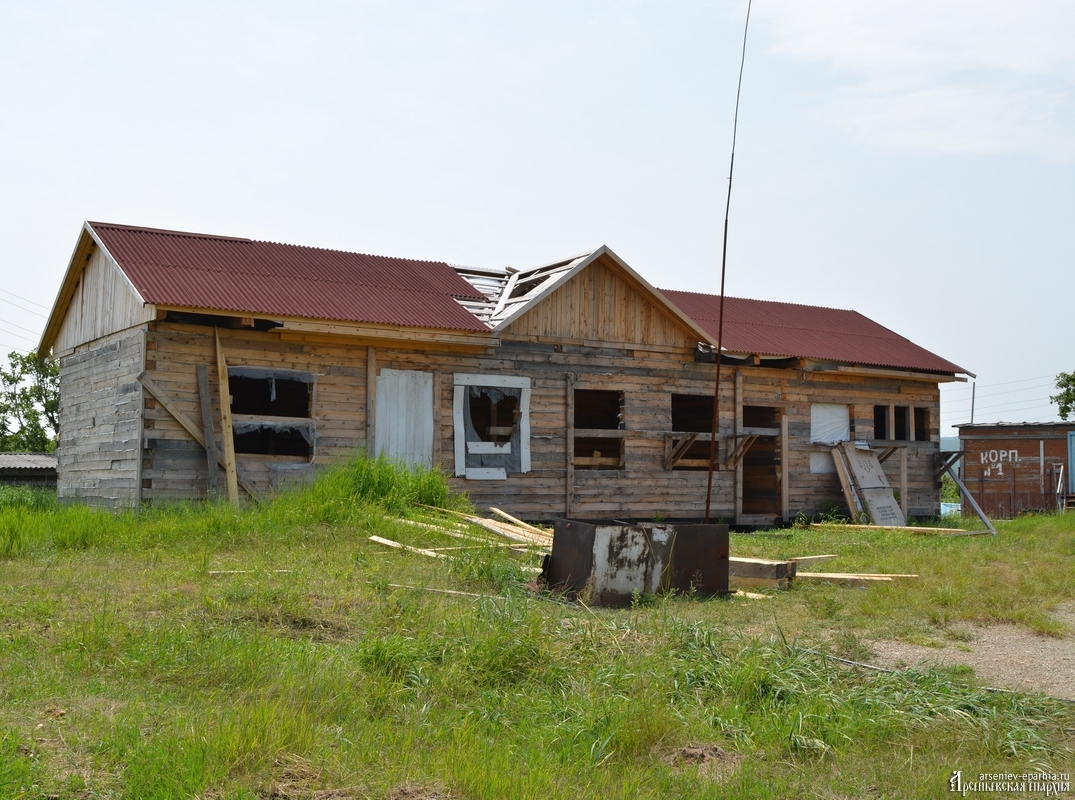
(575, 389)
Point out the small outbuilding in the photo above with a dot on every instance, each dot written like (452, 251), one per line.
(28, 469)
(572, 389)
(1014, 467)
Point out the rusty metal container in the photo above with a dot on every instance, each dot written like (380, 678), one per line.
(615, 561)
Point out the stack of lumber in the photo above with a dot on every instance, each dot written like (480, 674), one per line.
(519, 534)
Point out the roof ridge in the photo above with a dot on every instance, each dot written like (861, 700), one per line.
(167, 232)
(350, 252)
(767, 302)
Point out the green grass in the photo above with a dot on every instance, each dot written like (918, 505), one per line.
(209, 652)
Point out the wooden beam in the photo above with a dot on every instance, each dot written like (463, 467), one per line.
(785, 489)
(212, 486)
(569, 455)
(230, 473)
(371, 401)
(904, 493)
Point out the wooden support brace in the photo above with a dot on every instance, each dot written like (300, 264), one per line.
(679, 450)
(882, 455)
(740, 451)
(949, 462)
(226, 432)
(188, 425)
(966, 493)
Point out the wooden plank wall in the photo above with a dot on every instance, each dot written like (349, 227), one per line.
(103, 303)
(175, 467)
(797, 390)
(602, 305)
(101, 421)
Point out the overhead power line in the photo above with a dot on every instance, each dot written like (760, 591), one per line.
(26, 300)
(24, 308)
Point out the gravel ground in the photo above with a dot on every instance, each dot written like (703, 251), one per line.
(1003, 656)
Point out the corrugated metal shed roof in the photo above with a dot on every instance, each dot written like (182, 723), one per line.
(215, 273)
(769, 328)
(32, 461)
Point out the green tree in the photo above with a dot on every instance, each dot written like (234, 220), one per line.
(29, 404)
(1065, 384)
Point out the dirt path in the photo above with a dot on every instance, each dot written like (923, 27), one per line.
(1004, 656)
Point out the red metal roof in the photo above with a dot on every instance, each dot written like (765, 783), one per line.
(786, 329)
(216, 273)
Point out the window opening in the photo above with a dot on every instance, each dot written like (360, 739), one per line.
(598, 408)
(597, 411)
(273, 440)
(494, 414)
(492, 426)
(262, 403)
(880, 422)
(761, 417)
(691, 413)
(269, 397)
(921, 424)
(902, 424)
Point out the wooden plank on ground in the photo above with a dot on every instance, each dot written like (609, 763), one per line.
(519, 523)
(751, 595)
(408, 548)
(908, 528)
(853, 578)
(760, 568)
(803, 560)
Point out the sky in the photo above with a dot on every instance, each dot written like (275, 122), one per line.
(912, 160)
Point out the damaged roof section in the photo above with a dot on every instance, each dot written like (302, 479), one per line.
(509, 291)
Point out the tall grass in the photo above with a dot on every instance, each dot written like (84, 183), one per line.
(350, 493)
(211, 652)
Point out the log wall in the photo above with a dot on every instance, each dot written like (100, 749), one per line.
(101, 421)
(174, 466)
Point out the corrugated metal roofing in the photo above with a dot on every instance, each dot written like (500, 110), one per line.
(769, 328)
(215, 273)
(27, 461)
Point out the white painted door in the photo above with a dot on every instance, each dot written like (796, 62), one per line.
(404, 416)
